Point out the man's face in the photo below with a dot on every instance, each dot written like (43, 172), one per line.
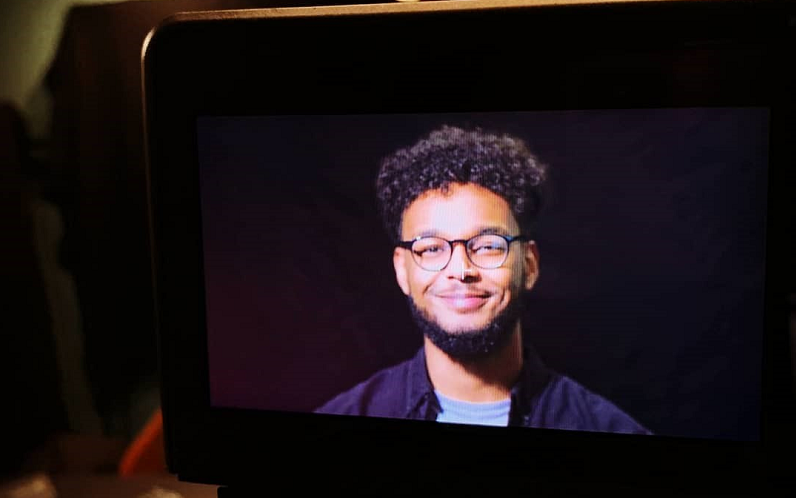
(463, 298)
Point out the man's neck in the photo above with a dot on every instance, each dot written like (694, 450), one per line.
(478, 381)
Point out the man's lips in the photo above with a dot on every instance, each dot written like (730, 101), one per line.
(463, 301)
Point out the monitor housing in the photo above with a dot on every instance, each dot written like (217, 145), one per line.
(448, 58)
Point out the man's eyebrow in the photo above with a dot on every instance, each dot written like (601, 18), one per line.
(431, 232)
(493, 230)
(482, 230)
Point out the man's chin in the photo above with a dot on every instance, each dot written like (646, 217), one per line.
(468, 341)
(462, 329)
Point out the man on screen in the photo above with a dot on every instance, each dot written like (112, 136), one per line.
(460, 205)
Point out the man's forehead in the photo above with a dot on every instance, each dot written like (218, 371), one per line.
(462, 210)
(478, 230)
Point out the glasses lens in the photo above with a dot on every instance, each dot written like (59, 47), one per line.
(488, 251)
(431, 253)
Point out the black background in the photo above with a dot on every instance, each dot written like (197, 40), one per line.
(651, 244)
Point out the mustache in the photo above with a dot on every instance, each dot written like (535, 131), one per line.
(462, 291)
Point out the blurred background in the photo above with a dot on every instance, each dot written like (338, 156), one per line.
(77, 343)
(77, 339)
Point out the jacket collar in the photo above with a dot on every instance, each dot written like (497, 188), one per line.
(422, 403)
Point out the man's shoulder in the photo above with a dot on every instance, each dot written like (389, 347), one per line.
(567, 404)
(383, 394)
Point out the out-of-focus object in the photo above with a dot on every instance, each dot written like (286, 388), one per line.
(112, 486)
(146, 453)
(32, 486)
(158, 492)
(99, 186)
(76, 453)
(32, 408)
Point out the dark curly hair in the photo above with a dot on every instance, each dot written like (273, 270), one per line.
(500, 163)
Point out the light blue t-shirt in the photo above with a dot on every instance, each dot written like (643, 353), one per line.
(464, 412)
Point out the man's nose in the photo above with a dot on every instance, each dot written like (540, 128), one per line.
(460, 267)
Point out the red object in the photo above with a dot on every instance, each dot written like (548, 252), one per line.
(146, 453)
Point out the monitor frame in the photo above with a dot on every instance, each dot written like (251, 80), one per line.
(201, 64)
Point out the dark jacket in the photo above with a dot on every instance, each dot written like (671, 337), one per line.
(541, 398)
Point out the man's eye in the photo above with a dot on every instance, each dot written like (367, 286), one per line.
(488, 249)
(428, 251)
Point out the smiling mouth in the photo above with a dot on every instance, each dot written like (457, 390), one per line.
(464, 302)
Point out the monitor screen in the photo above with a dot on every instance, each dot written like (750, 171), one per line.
(610, 276)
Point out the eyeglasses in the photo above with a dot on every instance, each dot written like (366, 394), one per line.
(487, 251)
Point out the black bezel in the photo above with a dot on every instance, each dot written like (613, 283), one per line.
(626, 55)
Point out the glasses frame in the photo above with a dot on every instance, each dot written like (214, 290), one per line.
(407, 244)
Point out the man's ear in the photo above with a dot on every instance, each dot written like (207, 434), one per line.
(399, 263)
(531, 262)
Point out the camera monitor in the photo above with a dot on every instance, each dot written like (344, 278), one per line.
(494, 242)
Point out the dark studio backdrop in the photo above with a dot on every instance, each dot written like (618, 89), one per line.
(651, 258)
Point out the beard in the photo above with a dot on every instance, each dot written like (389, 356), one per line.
(469, 345)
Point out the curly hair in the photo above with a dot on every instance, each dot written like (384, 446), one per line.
(501, 163)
